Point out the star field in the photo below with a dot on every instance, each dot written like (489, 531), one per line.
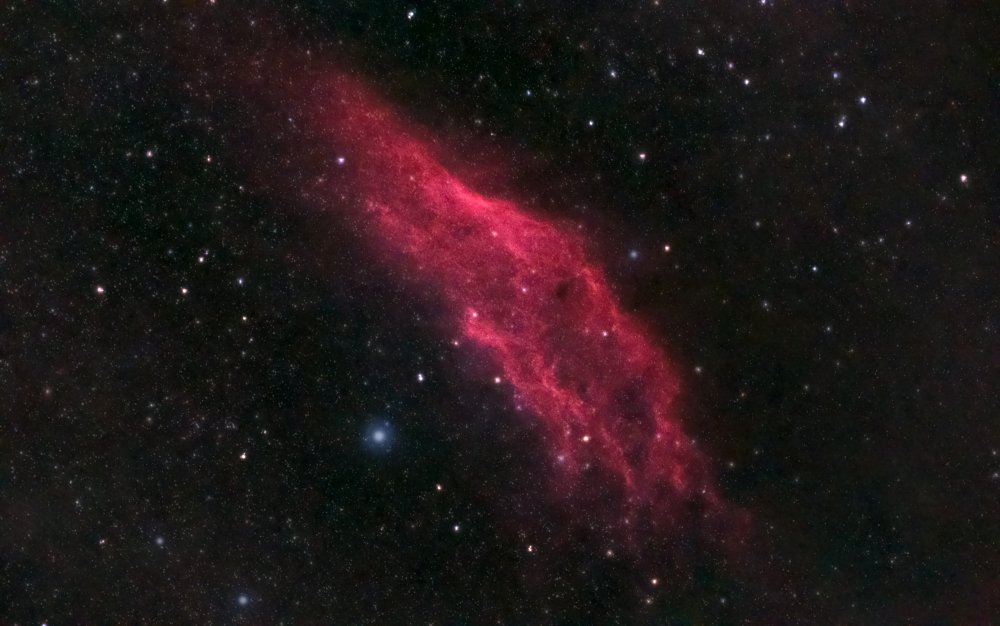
(663, 312)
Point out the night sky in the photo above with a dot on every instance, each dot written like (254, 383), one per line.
(445, 312)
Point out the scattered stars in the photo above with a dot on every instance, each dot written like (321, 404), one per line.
(156, 389)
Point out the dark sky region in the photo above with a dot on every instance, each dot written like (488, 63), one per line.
(656, 312)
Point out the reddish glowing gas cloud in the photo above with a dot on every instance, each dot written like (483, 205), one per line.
(523, 289)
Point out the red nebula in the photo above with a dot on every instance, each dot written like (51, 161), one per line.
(522, 288)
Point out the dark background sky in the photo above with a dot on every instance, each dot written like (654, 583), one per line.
(825, 177)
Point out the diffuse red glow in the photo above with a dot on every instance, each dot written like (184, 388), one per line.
(522, 288)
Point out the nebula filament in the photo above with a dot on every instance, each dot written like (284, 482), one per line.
(522, 288)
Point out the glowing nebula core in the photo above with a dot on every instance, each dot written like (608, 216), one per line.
(523, 289)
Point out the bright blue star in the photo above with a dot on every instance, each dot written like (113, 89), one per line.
(378, 436)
